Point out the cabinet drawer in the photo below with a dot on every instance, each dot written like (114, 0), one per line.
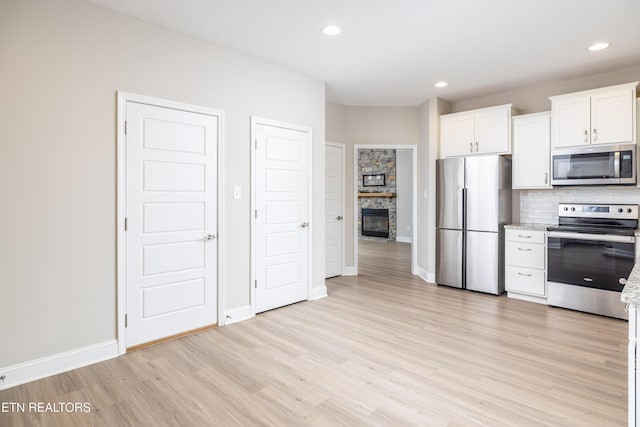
(525, 236)
(525, 255)
(525, 280)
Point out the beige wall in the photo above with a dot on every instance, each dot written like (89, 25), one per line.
(61, 64)
(534, 98)
(367, 125)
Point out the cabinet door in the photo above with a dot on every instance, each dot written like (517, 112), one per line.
(531, 151)
(571, 121)
(456, 135)
(492, 131)
(612, 116)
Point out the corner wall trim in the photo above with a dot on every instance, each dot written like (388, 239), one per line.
(318, 293)
(403, 239)
(426, 276)
(349, 271)
(238, 315)
(58, 363)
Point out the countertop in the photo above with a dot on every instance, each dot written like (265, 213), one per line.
(631, 291)
(525, 226)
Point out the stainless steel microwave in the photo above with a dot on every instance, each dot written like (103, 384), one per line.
(594, 165)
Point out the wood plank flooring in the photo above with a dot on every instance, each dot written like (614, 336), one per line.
(384, 349)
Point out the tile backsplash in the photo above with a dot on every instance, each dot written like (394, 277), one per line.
(541, 206)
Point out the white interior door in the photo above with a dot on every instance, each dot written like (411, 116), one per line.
(171, 210)
(334, 209)
(281, 246)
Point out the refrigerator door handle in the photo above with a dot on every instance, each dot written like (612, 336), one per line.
(464, 208)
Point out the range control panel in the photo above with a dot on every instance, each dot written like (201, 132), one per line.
(598, 211)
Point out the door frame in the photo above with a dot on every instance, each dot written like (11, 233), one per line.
(344, 201)
(414, 199)
(121, 253)
(255, 121)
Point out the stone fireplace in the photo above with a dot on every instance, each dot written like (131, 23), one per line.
(375, 222)
(377, 194)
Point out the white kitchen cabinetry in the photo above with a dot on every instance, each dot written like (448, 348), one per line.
(483, 131)
(525, 264)
(531, 150)
(599, 116)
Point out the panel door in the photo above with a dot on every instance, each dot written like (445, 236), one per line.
(612, 116)
(531, 151)
(456, 135)
(482, 182)
(171, 209)
(334, 210)
(482, 266)
(492, 131)
(282, 221)
(571, 121)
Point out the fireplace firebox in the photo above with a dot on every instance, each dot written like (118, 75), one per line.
(375, 222)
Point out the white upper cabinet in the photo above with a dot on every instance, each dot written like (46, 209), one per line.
(531, 150)
(483, 131)
(599, 116)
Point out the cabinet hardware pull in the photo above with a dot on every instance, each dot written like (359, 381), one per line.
(524, 237)
(595, 135)
(525, 249)
(471, 147)
(524, 274)
(546, 177)
(476, 146)
(586, 135)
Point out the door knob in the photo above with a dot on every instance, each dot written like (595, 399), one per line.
(209, 237)
(339, 217)
(304, 224)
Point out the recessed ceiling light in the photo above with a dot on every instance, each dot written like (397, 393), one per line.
(599, 46)
(331, 30)
(441, 84)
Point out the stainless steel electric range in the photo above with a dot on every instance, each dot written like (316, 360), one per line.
(590, 254)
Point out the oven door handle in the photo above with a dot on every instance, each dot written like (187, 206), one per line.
(586, 236)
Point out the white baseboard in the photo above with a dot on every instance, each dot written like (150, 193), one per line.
(404, 239)
(318, 292)
(426, 276)
(51, 365)
(237, 315)
(349, 271)
(529, 298)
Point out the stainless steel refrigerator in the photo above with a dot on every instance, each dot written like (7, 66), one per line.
(473, 204)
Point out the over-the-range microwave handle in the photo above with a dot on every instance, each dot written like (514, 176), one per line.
(587, 236)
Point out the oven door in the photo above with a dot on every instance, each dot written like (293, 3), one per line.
(590, 260)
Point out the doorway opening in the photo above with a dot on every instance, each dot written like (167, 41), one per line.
(385, 201)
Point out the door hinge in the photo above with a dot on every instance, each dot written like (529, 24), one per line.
(125, 223)
(125, 127)
(126, 320)
(255, 283)
(256, 213)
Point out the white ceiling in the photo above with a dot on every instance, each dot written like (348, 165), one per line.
(392, 52)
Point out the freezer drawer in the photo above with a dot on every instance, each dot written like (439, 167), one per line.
(483, 263)
(449, 258)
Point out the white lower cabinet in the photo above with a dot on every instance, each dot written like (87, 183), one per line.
(526, 264)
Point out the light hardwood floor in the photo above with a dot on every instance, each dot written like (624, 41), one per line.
(384, 349)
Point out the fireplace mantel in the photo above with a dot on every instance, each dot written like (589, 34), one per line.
(387, 195)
